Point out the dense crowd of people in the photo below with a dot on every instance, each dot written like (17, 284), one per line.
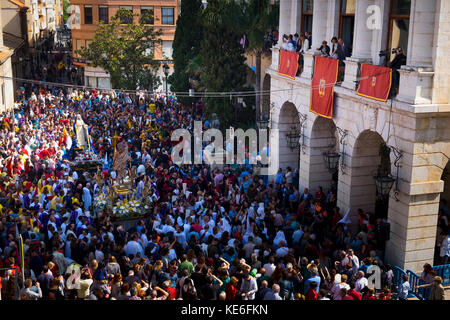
(210, 234)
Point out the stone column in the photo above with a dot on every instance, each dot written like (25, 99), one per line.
(362, 38)
(379, 22)
(296, 11)
(319, 27)
(413, 218)
(334, 7)
(285, 16)
(421, 33)
(1, 28)
(441, 47)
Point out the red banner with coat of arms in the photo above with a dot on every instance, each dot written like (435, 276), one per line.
(288, 64)
(322, 86)
(375, 82)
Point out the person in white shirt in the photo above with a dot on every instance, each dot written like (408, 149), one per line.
(336, 290)
(133, 247)
(361, 281)
(270, 266)
(350, 257)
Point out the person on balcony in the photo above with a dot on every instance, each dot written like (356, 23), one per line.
(398, 61)
(324, 49)
(308, 37)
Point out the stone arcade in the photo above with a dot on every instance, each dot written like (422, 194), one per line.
(417, 121)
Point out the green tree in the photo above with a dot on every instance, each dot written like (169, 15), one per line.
(258, 18)
(224, 68)
(186, 45)
(125, 51)
(66, 4)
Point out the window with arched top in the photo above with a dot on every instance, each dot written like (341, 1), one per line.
(399, 15)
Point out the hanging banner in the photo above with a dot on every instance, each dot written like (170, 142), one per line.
(322, 86)
(375, 82)
(288, 64)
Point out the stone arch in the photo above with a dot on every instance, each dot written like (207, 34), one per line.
(322, 138)
(288, 121)
(444, 210)
(266, 95)
(357, 186)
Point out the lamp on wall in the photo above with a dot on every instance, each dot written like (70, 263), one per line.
(263, 122)
(332, 157)
(384, 181)
(293, 137)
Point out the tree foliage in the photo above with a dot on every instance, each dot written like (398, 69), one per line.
(224, 68)
(125, 51)
(186, 45)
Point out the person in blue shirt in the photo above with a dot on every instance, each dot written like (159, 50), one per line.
(279, 177)
(314, 277)
(367, 264)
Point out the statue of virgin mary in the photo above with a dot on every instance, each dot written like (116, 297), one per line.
(81, 133)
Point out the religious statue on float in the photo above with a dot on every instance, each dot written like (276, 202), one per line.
(81, 131)
(121, 160)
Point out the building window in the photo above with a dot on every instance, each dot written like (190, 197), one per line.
(79, 44)
(307, 15)
(167, 49)
(167, 15)
(92, 82)
(347, 22)
(147, 15)
(88, 43)
(128, 19)
(103, 14)
(87, 14)
(399, 25)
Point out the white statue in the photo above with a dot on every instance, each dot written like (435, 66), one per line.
(81, 131)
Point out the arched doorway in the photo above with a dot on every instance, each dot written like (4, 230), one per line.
(357, 188)
(266, 96)
(323, 139)
(443, 216)
(288, 124)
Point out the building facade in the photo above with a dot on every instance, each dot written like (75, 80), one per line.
(416, 122)
(30, 26)
(6, 82)
(165, 14)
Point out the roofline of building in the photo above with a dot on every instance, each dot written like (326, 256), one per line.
(18, 3)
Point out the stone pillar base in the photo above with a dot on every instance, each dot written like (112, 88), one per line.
(308, 65)
(275, 58)
(351, 72)
(415, 85)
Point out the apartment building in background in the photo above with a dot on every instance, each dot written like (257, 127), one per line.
(6, 84)
(165, 14)
(28, 27)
